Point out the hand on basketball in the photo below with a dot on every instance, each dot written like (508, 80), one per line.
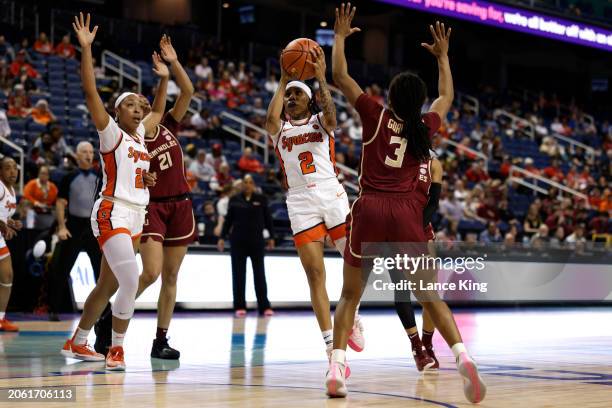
(441, 37)
(317, 62)
(15, 224)
(63, 234)
(149, 178)
(159, 67)
(81, 28)
(168, 52)
(344, 18)
(221, 245)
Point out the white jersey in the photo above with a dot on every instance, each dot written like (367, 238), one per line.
(124, 162)
(306, 151)
(8, 202)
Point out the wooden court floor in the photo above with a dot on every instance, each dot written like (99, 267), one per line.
(529, 358)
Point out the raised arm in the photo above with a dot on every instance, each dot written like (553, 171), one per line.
(275, 108)
(151, 121)
(99, 116)
(439, 49)
(342, 29)
(326, 102)
(182, 79)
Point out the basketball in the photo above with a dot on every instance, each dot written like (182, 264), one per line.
(294, 57)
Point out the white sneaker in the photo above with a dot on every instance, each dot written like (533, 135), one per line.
(356, 340)
(335, 382)
(473, 386)
(329, 350)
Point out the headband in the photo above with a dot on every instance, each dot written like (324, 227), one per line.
(122, 97)
(302, 86)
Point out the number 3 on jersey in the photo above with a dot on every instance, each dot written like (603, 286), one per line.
(399, 152)
(306, 165)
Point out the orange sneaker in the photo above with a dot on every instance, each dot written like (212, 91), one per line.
(114, 359)
(7, 326)
(82, 352)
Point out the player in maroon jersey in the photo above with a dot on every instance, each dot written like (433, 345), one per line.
(169, 224)
(394, 179)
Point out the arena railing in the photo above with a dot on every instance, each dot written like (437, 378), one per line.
(588, 149)
(122, 67)
(231, 119)
(516, 122)
(525, 175)
(19, 150)
(472, 102)
(479, 155)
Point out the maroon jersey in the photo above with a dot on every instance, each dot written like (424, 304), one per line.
(386, 165)
(167, 160)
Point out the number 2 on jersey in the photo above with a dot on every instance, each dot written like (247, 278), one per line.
(165, 161)
(139, 182)
(306, 165)
(399, 152)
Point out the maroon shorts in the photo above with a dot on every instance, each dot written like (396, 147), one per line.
(381, 217)
(171, 223)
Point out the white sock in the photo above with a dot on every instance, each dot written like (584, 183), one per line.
(118, 339)
(457, 349)
(338, 355)
(2, 314)
(80, 336)
(328, 337)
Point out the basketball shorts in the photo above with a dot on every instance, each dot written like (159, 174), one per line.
(112, 217)
(172, 223)
(4, 251)
(380, 218)
(316, 210)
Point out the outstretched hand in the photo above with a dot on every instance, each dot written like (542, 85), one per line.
(441, 37)
(159, 67)
(344, 18)
(167, 51)
(81, 28)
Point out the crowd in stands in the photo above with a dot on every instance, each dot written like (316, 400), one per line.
(478, 202)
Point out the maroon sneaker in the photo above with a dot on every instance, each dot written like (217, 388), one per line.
(422, 359)
(429, 350)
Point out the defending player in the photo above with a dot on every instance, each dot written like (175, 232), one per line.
(317, 203)
(169, 224)
(8, 229)
(118, 215)
(394, 181)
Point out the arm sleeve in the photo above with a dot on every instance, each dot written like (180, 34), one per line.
(229, 220)
(433, 122)
(432, 204)
(267, 217)
(64, 187)
(369, 111)
(110, 136)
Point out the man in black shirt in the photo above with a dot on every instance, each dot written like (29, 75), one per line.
(247, 217)
(77, 193)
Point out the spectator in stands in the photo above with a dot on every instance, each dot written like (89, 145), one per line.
(491, 234)
(65, 49)
(20, 61)
(271, 184)
(226, 193)
(556, 241)
(24, 46)
(41, 113)
(271, 84)
(6, 50)
(216, 158)
(476, 173)
(24, 80)
(532, 221)
(19, 103)
(487, 210)
(222, 178)
(41, 193)
(554, 171)
(76, 196)
(450, 208)
(249, 163)
(210, 220)
(450, 233)
(541, 236)
(459, 191)
(476, 134)
(203, 71)
(5, 128)
(530, 167)
(43, 151)
(200, 120)
(6, 78)
(550, 147)
(576, 237)
(98, 70)
(470, 209)
(43, 45)
(200, 168)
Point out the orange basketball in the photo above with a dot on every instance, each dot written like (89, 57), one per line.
(294, 57)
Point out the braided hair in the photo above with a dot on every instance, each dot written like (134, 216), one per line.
(407, 94)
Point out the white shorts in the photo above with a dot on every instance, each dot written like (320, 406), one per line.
(112, 217)
(316, 210)
(4, 251)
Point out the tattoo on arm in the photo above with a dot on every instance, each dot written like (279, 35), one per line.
(327, 105)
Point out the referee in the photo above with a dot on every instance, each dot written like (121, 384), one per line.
(247, 217)
(77, 193)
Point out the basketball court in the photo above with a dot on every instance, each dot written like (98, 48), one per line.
(528, 357)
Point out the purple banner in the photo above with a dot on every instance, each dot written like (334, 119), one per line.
(515, 19)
